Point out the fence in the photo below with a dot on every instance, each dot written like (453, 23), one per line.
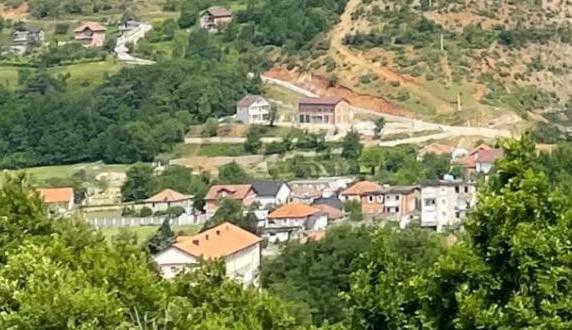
(183, 220)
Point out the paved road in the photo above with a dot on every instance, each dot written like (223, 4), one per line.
(417, 124)
(121, 46)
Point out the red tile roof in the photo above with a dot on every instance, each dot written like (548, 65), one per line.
(489, 156)
(220, 241)
(93, 26)
(293, 210)
(237, 191)
(331, 212)
(326, 100)
(56, 195)
(168, 195)
(363, 188)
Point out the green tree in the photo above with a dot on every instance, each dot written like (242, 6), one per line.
(162, 239)
(351, 146)
(353, 210)
(253, 143)
(139, 183)
(273, 113)
(371, 158)
(232, 174)
(379, 125)
(189, 14)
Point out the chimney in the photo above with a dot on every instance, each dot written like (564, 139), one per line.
(218, 232)
(196, 241)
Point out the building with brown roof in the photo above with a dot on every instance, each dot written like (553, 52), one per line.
(401, 201)
(215, 18)
(170, 198)
(59, 200)
(253, 109)
(291, 220)
(90, 34)
(334, 111)
(241, 192)
(369, 194)
(238, 248)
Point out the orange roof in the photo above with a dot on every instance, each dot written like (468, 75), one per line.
(332, 212)
(93, 26)
(479, 148)
(437, 148)
(237, 191)
(168, 195)
(56, 195)
(293, 210)
(220, 241)
(363, 188)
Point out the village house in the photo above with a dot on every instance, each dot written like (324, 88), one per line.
(240, 192)
(24, 38)
(369, 194)
(401, 201)
(306, 191)
(445, 203)
(90, 34)
(253, 109)
(482, 159)
(170, 198)
(271, 193)
(291, 220)
(332, 206)
(59, 201)
(238, 248)
(332, 111)
(215, 18)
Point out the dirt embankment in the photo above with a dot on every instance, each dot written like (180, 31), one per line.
(14, 13)
(318, 84)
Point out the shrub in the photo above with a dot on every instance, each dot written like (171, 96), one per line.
(62, 28)
(145, 212)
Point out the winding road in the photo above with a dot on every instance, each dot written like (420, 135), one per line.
(121, 46)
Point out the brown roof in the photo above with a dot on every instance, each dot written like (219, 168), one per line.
(168, 195)
(236, 191)
(293, 210)
(326, 100)
(219, 12)
(479, 148)
(220, 241)
(331, 212)
(56, 195)
(363, 188)
(93, 26)
(489, 156)
(248, 100)
(437, 148)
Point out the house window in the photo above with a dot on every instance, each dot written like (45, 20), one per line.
(380, 199)
(370, 198)
(457, 189)
(326, 119)
(397, 197)
(457, 215)
(430, 202)
(466, 189)
(301, 118)
(397, 210)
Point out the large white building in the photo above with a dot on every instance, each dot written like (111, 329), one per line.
(445, 203)
(239, 249)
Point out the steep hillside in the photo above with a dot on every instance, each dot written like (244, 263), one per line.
(473, 62)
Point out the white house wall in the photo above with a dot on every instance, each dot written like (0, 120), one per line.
(172, 260)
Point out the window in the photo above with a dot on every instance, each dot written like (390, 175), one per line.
(397, 197)
(301, 118)
(457, 215)
(370, 198)
(326, 119)
(457, 189)
(430, 202)
(397, 210)
(466, 189)
(380, 198)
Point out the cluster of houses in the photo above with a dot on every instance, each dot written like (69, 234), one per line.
(325, 111)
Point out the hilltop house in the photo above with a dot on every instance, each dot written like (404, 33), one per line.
(169, 198)
(333, 111)
(290, 221)
(90, 34)
(369, 194)
(59, 200)
(239, 249)
(24, 38)
(444, 203)
(482, 159)
(269, 193)
(215, 18)
(253, 109)
(241, 192)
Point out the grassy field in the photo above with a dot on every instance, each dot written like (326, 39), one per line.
(65, 171)
(209, 150)
(143, 233)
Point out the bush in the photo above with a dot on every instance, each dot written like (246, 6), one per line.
(62, 28)
(145, 212)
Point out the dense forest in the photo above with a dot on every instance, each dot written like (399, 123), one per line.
(131, 117)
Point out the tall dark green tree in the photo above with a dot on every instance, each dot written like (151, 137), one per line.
(140, 183)
(162, 239)
(351, 146)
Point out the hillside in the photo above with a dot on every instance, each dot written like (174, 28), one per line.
(497, 59)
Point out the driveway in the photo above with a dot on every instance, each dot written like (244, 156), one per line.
(121, 46)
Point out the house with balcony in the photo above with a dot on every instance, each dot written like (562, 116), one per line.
(25, 38)
(271, 193)
(327, 111)
(215, 18)
(90, 34)
(292, 220)
(401, 202)
(253, 109)
(240, 192)
(445, 203)
(370, 194)
(238, 248)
